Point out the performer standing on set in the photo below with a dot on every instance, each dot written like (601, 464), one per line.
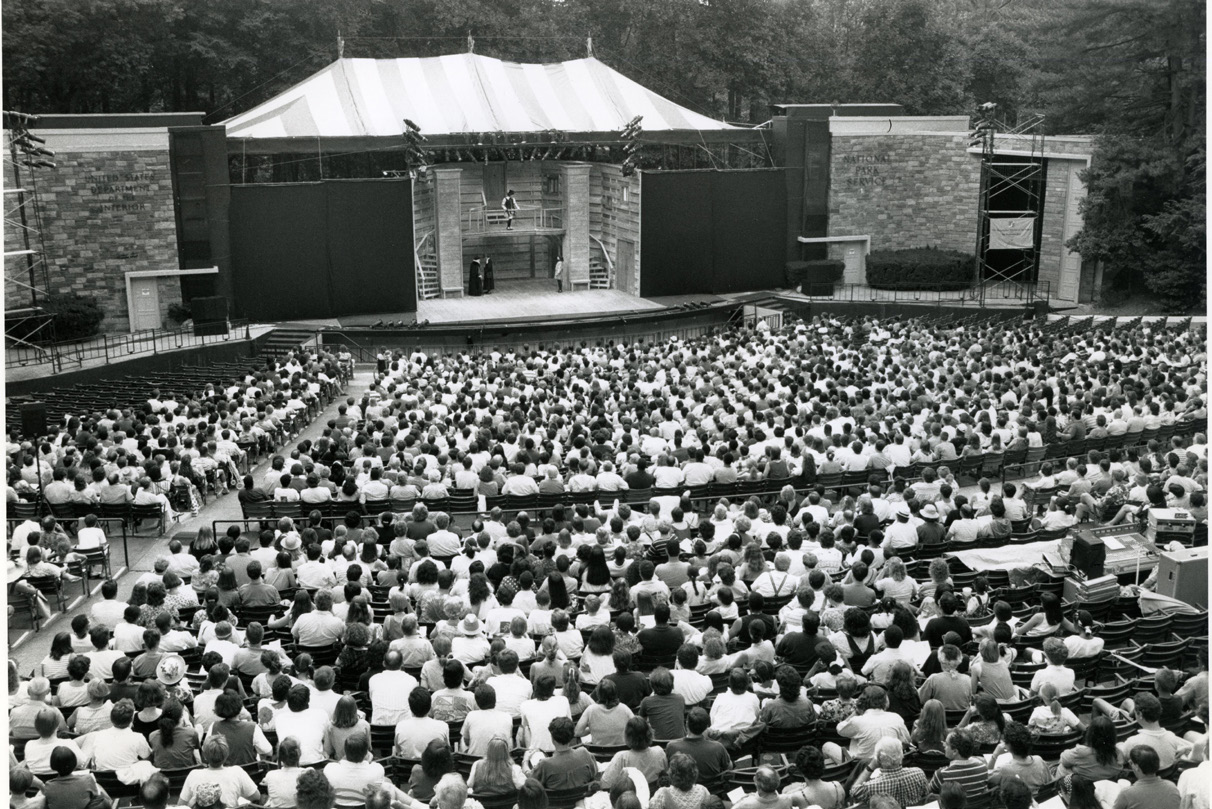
(474, 287)
(559, 273)
(489, 282)
(510, 206)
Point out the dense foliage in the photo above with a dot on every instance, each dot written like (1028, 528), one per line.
(920, 268)
(76, 316)
(1130, 71)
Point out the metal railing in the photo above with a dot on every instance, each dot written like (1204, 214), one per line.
(110, 347)
(990, 293)
(481, 217)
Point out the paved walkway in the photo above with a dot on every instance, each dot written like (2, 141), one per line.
(28, 648)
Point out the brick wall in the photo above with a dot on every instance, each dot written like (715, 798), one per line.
(906, 190)
(106, 213)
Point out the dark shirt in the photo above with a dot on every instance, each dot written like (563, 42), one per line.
(858, 595)
(251, 496)
(771, 628)
(798, 649)
(930, 533)
(711, 756)
(640, 479)
(630, 687)
(665, 714)
(937, 627)
(661, 641)
(75, 791)
(1172, 709)
(566, 769)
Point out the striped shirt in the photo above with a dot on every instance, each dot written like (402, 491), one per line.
(972, 774)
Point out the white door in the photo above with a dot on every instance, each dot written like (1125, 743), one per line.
(852, 256)
(146, 298)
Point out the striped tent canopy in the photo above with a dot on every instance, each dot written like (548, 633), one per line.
(460, 94)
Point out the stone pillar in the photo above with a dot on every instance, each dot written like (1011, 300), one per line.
(574, 181)
(448, 213)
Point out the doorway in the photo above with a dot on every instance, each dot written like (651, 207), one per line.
(625, 266)
(145, 300)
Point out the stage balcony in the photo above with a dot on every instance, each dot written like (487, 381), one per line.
(489, 220)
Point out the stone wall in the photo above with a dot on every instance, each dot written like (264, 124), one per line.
(105, 213)
(905, 190)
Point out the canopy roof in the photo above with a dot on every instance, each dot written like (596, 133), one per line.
(460, 94)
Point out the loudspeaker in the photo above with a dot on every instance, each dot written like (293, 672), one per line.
(33, 420)
(210, 315)
(1089, 554)
(1184, 575)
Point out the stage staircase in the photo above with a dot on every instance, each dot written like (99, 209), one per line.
(428, 286)
(601, 268)
(281, 341)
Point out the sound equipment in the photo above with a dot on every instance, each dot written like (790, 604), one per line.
(1088, 554)
(1085, 591)
(1118, 550)
(33, 420)
(210, 315)
(1184, 575)
(1166, 525)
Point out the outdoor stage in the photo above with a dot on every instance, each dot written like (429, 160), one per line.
(528, 300)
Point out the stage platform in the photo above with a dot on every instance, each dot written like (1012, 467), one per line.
(514, 301)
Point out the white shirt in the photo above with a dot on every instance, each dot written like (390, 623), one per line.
(731, 711)
(414, 733)
(349, 778)
(537, 715)
(691, 686)
(108, 613)
(309, 728)
(114, 749)
(481, 727)
(90, 538)
(389, 692)
(512, 690)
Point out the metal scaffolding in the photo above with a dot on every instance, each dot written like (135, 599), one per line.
(1012, 185)
(26, 322)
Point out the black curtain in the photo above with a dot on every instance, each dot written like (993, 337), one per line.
(710, 232)
(306, 250)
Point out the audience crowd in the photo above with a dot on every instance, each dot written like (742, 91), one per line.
(637, 654)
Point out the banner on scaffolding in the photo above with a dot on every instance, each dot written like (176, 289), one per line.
(1012, 234)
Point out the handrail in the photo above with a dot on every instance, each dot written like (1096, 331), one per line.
(109, 347)
(609, 263)
(416, 257)
(546, 217)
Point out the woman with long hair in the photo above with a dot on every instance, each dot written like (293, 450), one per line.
(352, 661)
(754, 564)
(930, 730)
(695, 588)
(54, 665)
(495, 774)
(300, 606)
(479, 595)
(229, 588)
(1081, 793)
(347, 721)
(557, 588)
(436, 761)
(1097, 757)
(597, 660)
(790, 709)
(550, 661)
(1047, 621)
(282, 575)
(578, 700)
(620, 596)
(174, 744)
(896, 582)
(595, 575)
(860, 640)
(984, 720)
(903, 698)
(349, 492)
(204, 543)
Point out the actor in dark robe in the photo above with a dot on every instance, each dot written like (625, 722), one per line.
(489, 283)
(474, 285)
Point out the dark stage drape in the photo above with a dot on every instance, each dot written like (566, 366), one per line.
(711, 232)
(338, 247)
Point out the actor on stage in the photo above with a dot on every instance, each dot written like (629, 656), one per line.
(510, 206)
(474, 287)
(489, 283)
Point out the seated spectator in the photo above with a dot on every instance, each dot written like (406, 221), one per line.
(887, 775)
(1019, 765)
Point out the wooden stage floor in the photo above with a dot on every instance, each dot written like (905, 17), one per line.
(514, 301)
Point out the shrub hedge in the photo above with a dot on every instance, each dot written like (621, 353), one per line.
(76, 317)
(920, 268)
(814, 273)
